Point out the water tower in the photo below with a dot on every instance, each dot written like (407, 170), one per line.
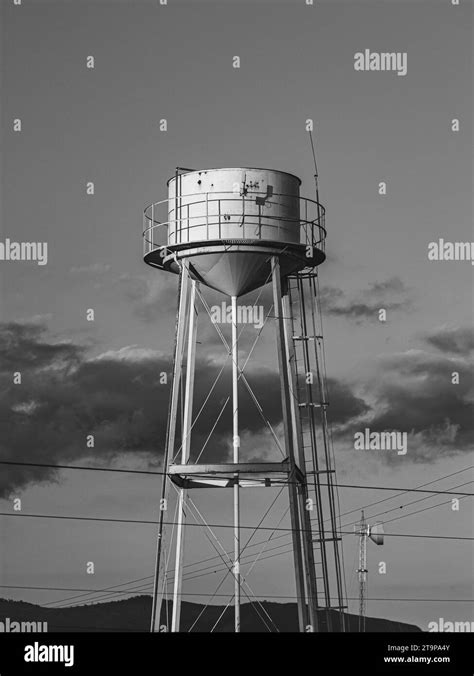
(235, 230)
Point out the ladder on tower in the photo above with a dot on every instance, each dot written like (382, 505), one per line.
(312, 402)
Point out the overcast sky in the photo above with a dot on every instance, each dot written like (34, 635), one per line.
(80, 377)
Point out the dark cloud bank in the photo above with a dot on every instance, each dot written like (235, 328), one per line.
(66, 395)
(390, 295)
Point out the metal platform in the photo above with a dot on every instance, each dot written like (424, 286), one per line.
(229, 239)
(227, 475)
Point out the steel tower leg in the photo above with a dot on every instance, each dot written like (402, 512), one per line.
(158, 586)
(236, 445)
(288, 434)
(185, 451)
(307, 536)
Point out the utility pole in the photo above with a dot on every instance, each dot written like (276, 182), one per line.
(362, 570)
(376, 534)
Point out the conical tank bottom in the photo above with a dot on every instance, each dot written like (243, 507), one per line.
(237, 273)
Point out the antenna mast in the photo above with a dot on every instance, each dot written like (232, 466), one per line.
(362, 570)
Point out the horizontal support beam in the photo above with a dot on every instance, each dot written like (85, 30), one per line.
(214, 482)
(230, 468)
(224, 475)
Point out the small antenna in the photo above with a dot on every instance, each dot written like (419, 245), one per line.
(316, 174)
(376, 534)
(314, 153)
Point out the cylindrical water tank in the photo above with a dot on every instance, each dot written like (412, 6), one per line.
(234, 204)
(228, 224)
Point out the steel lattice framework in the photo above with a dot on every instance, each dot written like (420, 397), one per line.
(242, 243)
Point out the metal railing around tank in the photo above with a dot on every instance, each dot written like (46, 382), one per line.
(214, 220)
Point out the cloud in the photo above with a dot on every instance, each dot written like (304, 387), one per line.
(22, 347)
(344, 405)
(391, 295)
(155, 297)
(457, 340)
(392, 285)
(417, 392)
(90, 270)
(121, 398)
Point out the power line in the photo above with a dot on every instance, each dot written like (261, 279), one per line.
(210, 570)
(130, 591)
(418, 511)
(403, 516)
(218, 525)
(393, 509)
(145, 587)
(403, 490)
(193, 573)
(107, 589)
(158, 473)
(261, 596)
(398, 494)
(428, 483)
(82, 467)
